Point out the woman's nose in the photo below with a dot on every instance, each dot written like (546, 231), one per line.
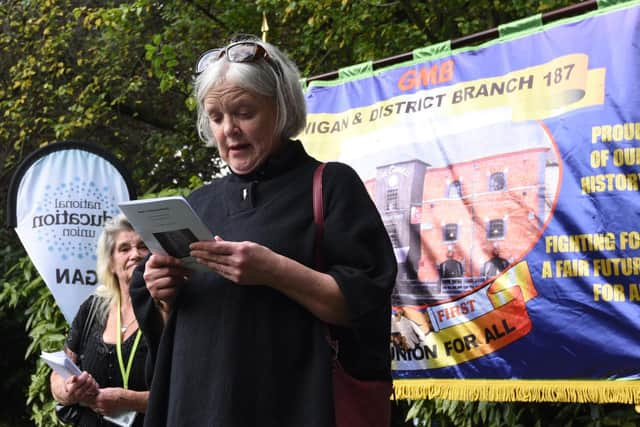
(136, 253)
(229, 125)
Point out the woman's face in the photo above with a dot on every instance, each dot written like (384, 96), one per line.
(243, 124)
(127, 252)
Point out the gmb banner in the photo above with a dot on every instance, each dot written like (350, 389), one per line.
(59, 199)
(507, 176)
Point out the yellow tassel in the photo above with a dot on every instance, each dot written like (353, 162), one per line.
(592, 391)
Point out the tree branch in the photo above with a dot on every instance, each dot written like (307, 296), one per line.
(206, 13)
(409, 10)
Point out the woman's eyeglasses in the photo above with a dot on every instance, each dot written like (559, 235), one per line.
(242, 51)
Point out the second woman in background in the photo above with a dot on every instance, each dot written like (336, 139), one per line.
(111, 351)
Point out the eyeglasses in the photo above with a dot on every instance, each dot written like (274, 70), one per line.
(242, 51)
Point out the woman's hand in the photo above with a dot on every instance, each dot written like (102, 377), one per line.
(241, 262)
(163, 275)
(250, 263)
(108, 401)
(80, 388)
(112, 400)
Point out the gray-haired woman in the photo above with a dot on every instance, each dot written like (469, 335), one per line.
(244, 344)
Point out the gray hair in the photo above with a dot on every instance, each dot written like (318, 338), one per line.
(276, 77)
(108, 290)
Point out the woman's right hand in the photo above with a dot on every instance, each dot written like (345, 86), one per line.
(163, 274)
(81, 388)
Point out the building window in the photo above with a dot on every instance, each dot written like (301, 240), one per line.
(450, 232)
(392, 199)
(497, 181)
(495, 229)
(393, 235)
(455, 190)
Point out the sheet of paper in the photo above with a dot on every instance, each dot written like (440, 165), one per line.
(167, 225)
(124, 419)
(61, 363)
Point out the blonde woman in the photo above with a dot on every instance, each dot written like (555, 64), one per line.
(111, 351)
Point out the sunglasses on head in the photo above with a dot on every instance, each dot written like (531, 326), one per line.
(241, 51)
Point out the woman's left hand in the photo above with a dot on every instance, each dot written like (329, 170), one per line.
(109, 401)
(248, 263)
(241, 262)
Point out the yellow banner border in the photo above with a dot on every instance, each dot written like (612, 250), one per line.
(508, 390)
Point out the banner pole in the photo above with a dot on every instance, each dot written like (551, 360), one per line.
(478, 37)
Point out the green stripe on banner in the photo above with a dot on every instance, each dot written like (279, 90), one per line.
(607, 3)
(526, 24)
(508, 31)
(356, 71)
(432, 52)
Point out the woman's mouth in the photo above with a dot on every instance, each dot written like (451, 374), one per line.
(239, 147)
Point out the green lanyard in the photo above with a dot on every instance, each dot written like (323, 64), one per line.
(125, 372)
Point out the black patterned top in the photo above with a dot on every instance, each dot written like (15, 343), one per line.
(101, 361)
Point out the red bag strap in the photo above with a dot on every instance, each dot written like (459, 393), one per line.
(318, 219)
(318, 215)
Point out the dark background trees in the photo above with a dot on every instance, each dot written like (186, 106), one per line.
(118, 73)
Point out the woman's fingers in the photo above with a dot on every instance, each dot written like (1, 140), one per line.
(240, 262)
(219, 256)
(82, 387)
(108, 401)
(163, 275)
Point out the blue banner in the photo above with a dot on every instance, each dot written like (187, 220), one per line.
(507, 176)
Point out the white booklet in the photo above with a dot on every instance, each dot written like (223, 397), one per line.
(167, 225)
(61, 363)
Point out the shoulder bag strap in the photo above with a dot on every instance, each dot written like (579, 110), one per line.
(88, 321)
(318, 215)
(318, 219)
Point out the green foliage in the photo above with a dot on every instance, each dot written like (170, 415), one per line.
(24, 291)
(323, 36)
(452, 413)
(13, 387)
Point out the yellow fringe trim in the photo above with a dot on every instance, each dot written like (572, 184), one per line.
(588, 391)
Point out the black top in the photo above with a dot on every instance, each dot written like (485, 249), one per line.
(243, 356)
(101, 361)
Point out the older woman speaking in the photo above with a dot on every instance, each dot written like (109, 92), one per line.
(244, 344)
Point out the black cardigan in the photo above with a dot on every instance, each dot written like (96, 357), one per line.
(242, 356)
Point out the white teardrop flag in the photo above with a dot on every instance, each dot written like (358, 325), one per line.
(59, 200)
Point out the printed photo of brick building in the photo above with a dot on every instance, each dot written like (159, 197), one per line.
(465, 210)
